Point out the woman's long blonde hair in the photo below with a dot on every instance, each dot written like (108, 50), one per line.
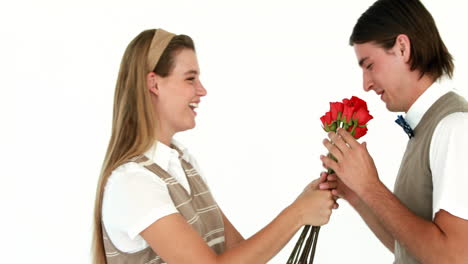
(133, 121)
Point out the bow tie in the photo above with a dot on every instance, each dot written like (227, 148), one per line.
(406, 127)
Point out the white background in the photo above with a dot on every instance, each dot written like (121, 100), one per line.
(270, 68)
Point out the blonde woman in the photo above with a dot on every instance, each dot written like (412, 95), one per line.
(152, 205)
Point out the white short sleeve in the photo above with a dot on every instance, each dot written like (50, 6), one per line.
(449, 166)
(134, 198)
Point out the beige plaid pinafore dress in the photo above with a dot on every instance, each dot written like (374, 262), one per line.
(198, 208)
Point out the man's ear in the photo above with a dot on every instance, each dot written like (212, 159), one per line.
(403, 47)
(152, 80)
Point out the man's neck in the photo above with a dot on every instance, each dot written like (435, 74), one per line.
(418, 88)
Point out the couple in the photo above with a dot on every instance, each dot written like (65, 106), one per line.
(153, 206)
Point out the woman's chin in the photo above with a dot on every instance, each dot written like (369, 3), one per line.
(188, 126)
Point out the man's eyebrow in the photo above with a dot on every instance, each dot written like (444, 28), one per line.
(191, 72)
(361, 61)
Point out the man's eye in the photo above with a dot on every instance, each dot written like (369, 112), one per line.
(190, 79)
(369, 66)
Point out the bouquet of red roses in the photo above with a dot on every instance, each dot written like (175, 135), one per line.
(352, 115)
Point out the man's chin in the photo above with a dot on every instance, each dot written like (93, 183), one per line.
(393, 108)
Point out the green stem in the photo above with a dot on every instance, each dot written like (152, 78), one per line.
(330, 171)
(297, 248)
(308, 245)
(317, 229)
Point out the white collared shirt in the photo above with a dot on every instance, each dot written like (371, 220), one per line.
(447, 154)
(134, 198)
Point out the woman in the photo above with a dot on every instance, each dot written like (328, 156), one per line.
(152, 205)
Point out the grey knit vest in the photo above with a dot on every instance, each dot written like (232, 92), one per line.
(413, 185)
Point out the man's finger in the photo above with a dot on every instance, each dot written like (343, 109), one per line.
(346, 136)
(339, 142)
(331, 177)
(335, 151)
(323, 177)
(329, 163)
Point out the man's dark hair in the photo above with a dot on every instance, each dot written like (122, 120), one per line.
(386, 19)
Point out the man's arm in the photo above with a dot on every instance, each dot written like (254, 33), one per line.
(441, 241)
(375, 225)
(339, 189)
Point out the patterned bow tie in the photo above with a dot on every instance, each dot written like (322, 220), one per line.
(406, 127)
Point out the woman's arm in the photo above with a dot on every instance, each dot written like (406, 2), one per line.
(175, 241)
(232, 236)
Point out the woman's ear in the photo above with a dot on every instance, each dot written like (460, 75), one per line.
(152, 83)
(403, 47)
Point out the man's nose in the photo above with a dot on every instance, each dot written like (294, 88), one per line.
(367, 82)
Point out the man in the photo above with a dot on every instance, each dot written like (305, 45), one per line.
(399, 49)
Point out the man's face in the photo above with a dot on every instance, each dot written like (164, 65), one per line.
(386, 73)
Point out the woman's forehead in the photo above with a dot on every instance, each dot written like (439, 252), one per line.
(186, 62)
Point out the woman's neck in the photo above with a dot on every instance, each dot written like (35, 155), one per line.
(164, 136)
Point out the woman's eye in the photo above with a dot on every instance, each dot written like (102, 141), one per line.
(369, 66)
(190, 79)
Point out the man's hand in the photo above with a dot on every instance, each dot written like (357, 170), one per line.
(338, 188)
(355, 167)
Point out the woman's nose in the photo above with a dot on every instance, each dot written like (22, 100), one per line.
(201, 91)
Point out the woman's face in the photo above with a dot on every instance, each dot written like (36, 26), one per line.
(179, 93)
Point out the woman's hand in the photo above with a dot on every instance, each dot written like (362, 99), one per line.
(338, 188)
(314, 205)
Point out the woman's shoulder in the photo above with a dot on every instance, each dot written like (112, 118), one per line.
(132, 175)
(133, 198)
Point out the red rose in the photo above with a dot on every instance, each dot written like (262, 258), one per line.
(335, 109)
(348, 111)
(362, 116)
(354, 106)
(359, 132)
(358, 102)
(328, 123)
(326, 119)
